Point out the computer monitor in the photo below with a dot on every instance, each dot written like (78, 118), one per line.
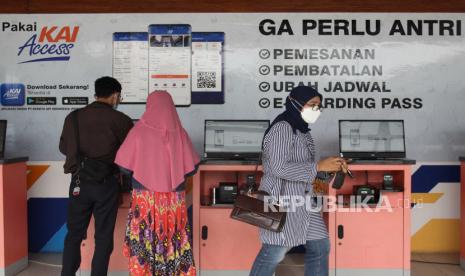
(234, 139)
(2, 138)
(372, 139)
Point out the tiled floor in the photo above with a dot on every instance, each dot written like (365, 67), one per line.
(43, 265)
(49, 265)
(422, 265)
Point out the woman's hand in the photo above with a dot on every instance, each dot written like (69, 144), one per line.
(331, 164)
(344, 166)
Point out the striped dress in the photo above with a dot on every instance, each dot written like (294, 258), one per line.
(289, 160)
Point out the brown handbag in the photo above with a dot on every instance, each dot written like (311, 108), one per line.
(250, 208)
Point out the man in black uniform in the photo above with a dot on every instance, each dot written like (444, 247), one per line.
(101, 131)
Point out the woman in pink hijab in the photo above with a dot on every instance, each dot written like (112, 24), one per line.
(159, 155)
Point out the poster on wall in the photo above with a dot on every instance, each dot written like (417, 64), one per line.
(130, 65)
(207, 68)
(377, 66)
(170, 61)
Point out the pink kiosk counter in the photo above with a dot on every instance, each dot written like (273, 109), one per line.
(13, 216)
(462, 212)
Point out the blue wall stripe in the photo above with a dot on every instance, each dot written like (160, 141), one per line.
(55, 244)
(428, 176)
(46, 217)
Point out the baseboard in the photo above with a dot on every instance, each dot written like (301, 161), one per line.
(14, 268)
(112, 273)
(224, 273)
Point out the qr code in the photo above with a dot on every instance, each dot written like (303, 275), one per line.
(206, 79)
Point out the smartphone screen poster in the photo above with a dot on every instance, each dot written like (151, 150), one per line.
(170, 61)
(207, 68)
(130, 65)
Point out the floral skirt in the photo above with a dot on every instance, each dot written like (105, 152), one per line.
(157, 240)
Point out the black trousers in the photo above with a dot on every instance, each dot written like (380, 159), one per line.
(100, 200)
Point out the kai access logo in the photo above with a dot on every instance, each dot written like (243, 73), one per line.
(52, 43)
(12, 94)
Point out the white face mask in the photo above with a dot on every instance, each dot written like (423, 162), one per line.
(116, 103)
(309, 115)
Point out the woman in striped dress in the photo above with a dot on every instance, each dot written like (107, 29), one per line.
(290, 167)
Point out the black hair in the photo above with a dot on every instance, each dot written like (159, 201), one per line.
(106, 86)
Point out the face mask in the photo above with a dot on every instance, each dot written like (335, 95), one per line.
(309, 115)
(115, 105)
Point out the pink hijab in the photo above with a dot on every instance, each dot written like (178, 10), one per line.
(157, 149)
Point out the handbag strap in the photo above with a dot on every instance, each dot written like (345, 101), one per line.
(256, 173)
(256, 166)
(74, 116)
